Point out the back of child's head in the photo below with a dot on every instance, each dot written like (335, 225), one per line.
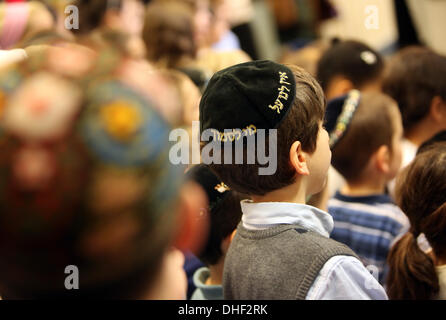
(359, 124)
(169, 32)
(251, 97)
(353, 60)
(421, 194)
(224, 212)
(85, 181)
(414, 76)
(307, 57)
(92, 13)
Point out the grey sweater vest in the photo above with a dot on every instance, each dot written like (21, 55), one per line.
(280, 263)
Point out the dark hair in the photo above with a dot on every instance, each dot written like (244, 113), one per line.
(440, 137)
(371, 127)
(346, 59)
(302, 124)
(169, 33)
(421, 194)
(91, 13)
(413, 78)
(224, 218)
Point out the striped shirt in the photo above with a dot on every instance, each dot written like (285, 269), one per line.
(369, 225)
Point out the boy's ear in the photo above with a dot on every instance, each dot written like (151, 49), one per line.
(438, 110)
(298, 159)
(382, 159)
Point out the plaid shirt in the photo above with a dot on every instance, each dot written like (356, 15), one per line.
(369, 225)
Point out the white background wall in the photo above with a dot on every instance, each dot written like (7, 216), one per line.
(430, 19)
(370, 21)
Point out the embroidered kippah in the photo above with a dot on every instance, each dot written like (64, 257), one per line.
(85, 176)
(339, 115)
(247, 97)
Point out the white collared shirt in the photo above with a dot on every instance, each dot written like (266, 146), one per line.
(342, 277)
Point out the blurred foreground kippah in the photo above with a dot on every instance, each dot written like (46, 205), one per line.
(85, 177)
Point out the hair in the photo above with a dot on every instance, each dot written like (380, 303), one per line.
(413, 78)
(307, 57)
(91, 13)
(440, 137)
(344, 58)
(421, 194)
(169, 32)
(302, 123)
(224, 218)
(372, 126)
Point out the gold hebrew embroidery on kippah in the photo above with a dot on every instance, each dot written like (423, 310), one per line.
(222, 188)
(235, 134)
(283, 93)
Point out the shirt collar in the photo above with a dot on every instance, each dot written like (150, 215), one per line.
(264, 215)
(210, 292)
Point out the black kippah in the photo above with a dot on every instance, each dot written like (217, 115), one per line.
(249, 96)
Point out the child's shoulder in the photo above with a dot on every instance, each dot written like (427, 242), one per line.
(378, 207)
(297, 238)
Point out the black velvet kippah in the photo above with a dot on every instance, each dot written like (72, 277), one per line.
(254, 95)
(333, 111)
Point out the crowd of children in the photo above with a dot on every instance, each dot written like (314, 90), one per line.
(86, 179)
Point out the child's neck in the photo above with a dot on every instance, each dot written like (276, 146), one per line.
(216, 274)
(364, 188)
(288, 194)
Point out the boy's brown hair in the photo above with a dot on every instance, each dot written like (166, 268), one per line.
(302, 123)
(92, 13)
(169, 33)
(413, 78)
(371, 127)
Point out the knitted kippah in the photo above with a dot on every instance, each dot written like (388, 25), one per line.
(85, 177)
(339, 115)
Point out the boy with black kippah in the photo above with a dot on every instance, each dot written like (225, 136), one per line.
(282, 248)
(224, 216)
